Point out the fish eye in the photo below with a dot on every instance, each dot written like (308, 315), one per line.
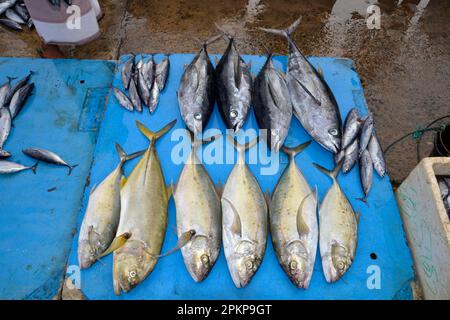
(192, 232)
(249, 265)
(197, 116)
(341, 265)
(233, 114)
(132, 274)
(293, 265)
(205, 259)
(333, 132)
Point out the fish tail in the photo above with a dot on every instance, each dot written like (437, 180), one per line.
(224, 32)
(292, 152)
(71, 169)
(124, 157)
(211, 40)
(10, 79)
(241, 148)
(284, 32)
(153, 136)
(33, 168)
(331, 173)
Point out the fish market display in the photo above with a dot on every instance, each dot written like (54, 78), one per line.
(143, 214)
(196, 91)
(293, 222)
(8, 167)
(313, 102)
(14, 15)
(48, 156)
(198, 208)
(101, 219)
(244, 220)
(338, 225)
(272, 104)
(233, 82)
(444, 186)
(5, 129)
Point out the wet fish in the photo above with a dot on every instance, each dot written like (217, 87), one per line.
(196, 91)
(20, 84)
(142, 84)
(244, 220)
(134, 96)
(127, 71)
(338, 225)
(22, 11)
(353, 124)
(5, 129)
(12, 15)
(10, 24)
(233, 82)
(161, 75)
(313, 102)
(143, 213)
(101, 219)
(198, 208)
(376, 153)
(272, 104)
(123, 99)
(4, 91)
(351, 156)
(338, 157)
(366, 171)
(48, 156)
(7, 167)
(5, 5)
(148, 71)
(293, 222)
(366, 134)
(19, 99)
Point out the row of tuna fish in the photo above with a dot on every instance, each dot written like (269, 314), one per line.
(129, 217)
(15, 15)
(144, 80)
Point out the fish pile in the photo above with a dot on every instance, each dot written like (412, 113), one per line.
(444, 186)
(144, 80)
(15, 15)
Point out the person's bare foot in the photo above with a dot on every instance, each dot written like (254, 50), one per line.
(50, 51)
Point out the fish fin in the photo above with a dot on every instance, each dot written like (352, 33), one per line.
(358, 216)
(331, 173)
(219, 189)
(242, 147)
(33, 168)
(174, 188)
(320, 71)
(153, 136)
(123, 181)
(216, 60)
(308, 92)
(168, 192)
(302, 227)
(93, 189)
(286, 32)
(211, 40)
(363, 199)
(121, 152)
(236, 226)
(182, 241)
(117, 243)
(268, 198)
(71, 169)
(292, 152)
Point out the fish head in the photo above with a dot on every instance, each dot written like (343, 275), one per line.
(297, 264)
(236, 118)
(199, 258)
(332, 139)
(87, 254)
(339, 262)
(132, 264)
(195, 119)
(246, 262)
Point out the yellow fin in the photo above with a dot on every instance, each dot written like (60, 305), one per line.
(236, 226)
(123, 182)
(169, 191)
(116, 244)
(182, 241)
(320, 71)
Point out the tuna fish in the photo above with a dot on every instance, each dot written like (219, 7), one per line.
(313, 102)
(196, 91)
(22, 11)
(127, 71)
(161, 75)
(19, 99)
(143, 214)
(123, 99)
(4, 91)
(134, 96)
(20, 84)
(5, 5)
(11, 24)
(293, 222)
(338, 225)
(272, 104)
(351, 156)
(366, 171)
(7, 167)
(12, 15)
(366, 134)
(233, 82)
(5, 129)
(244, 221)
(376, 153)
(101, 219)
(49, 157)
(353, 124)
(198, 209)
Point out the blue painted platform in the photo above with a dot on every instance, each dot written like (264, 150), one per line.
(37, 225)
(380, 228)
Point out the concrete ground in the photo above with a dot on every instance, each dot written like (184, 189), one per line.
(404, 66)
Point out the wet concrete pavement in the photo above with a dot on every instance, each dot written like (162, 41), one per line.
(404, 66)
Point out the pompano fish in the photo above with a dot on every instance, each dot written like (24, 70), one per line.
(376, 153)
(11, 24)
(353, 124)
(338, 225)
(123, 99)
(233, 82)
(101, 219)
(198, 209)
(143, 214)
(293, 222)
(366, 134)
(272, 104)
(5, 129)
(313, 102)
(366, 171)
(127, 71)
(8, 167)
(196, 91)
(351, 156)
(244, 220)
(161, 74)
(19, 84)
(48, 156)
(12, 15)
(19, 98)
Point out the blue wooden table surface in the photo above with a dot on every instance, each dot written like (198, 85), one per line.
(37, 225)
(381, 250)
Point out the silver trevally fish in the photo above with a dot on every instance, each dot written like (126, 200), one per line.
(338, 225)
(49, 157)
(198, 208)
(8, 167)
(101, 219)
(272, 104)
(5, 129)
(244, 220)
(293, 222)
(143, 214)
(313, 102)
